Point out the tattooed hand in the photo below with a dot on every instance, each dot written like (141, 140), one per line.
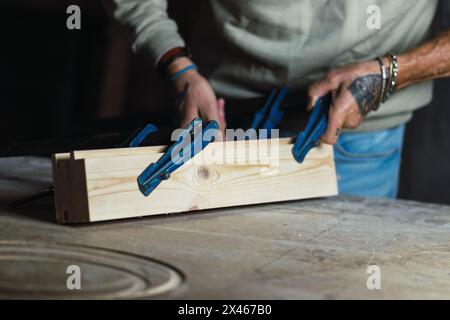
(355, 89)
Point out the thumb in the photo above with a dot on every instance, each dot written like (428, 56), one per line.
(319, 89)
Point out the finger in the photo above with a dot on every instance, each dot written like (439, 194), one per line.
(222, 119)
(320, 88)
(188, 113)
(221, 110)
(213, 113)
(353, 116)
(333, 98)
(334, 94)
(335, 123)
(336, 120)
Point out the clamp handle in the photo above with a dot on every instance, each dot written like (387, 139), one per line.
(315, 128)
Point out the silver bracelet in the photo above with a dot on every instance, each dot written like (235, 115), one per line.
(383, 81)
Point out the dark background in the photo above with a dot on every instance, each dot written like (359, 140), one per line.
(62, 84)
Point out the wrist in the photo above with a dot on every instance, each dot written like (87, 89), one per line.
(178, 65)
(177, 78)
(388, 69)
(406, 68)
(171, 56)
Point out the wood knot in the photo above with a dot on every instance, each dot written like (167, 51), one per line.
(203, 173)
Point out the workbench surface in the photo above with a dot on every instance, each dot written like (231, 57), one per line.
(304, 249)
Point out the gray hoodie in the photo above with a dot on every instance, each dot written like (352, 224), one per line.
(247, 47)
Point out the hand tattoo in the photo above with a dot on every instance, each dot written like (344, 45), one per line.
(366, 92)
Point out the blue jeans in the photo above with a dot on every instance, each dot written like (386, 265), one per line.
(368, 163)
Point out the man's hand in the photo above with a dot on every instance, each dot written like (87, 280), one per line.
(355, 90)
(199, 99)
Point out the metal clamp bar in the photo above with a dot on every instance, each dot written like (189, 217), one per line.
(191, 141)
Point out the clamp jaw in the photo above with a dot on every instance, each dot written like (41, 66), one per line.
(191, 141)
(272, 112)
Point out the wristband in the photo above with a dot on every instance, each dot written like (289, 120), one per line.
(170, 56)
(182, 71)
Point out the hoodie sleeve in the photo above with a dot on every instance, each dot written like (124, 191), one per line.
(153, 31)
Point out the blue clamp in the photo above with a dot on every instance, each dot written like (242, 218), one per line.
(270, 114)
(138, 136)
(192, 141)
(315, 128)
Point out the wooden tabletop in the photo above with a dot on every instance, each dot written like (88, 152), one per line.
(303, 249)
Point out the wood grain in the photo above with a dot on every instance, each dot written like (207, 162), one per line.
(225, 174)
